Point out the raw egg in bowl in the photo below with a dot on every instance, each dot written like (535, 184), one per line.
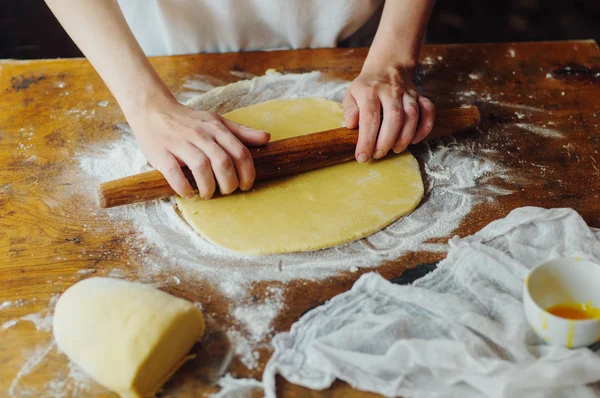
(562, 301)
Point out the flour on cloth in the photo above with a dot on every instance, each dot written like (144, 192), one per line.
(459, 331)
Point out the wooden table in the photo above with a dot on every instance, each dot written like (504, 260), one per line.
(46, 235)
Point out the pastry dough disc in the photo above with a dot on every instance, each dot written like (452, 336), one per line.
(312, 210)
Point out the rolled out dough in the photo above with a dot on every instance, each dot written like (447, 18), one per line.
(309, 211)
(128, 336)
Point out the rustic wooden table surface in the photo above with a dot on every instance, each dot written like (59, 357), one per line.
(49, 112)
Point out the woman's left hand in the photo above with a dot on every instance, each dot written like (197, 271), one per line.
(388, 111)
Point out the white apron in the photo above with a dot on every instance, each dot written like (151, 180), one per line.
(170, 27)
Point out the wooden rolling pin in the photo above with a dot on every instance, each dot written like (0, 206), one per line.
(279, 158)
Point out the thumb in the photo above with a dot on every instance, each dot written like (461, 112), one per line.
(247, 135)
(350, 110)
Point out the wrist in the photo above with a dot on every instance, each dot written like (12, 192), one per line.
(378, 65)
(143, 93)
(383, 58)
(142, 103)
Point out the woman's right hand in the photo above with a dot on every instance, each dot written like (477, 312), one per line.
(169, 134)
(213, 148)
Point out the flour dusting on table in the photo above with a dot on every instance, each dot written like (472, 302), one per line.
(457, 176)
(455, 180)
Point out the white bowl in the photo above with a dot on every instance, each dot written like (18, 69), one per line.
(561, 281)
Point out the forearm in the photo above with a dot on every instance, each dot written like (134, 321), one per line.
(400, 33)
(103, 35)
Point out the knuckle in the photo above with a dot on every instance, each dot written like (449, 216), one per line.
(428, 105)
(371, 91)
(241, 153)
(350, 110)
(212, 125)
(412, 110)
(396, 91)
(373, 116)
(222, 163)
(201, 133)
(199, 163)
(367, 92)
(169, 169)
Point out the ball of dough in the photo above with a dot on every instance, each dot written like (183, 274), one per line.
(128, 336)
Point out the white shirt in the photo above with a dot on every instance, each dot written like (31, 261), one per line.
(170, 27)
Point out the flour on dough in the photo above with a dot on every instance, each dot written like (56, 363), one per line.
(312, 210)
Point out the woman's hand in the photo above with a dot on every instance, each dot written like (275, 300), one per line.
(388, 111)
(171, 135)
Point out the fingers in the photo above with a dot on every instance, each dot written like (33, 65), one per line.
(393, 115)
(350, 111)
(240, 156)
(247, 135)
(368, 123)
(411, 119)
(220, 162)
(170, 169)
(426, 119)
(199, 164)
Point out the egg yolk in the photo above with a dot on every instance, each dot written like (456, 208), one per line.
(574, 311)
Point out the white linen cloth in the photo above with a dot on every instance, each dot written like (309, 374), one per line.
(460, 331)
(171, 27)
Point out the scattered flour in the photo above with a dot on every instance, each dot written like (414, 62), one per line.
(164, 231)
(257, 318)
(33, 360)
(41, 320)
(116, 273)
(9, 324)
(543, 131)
(66, 381)
(456, 180)
(86, 271)
(236, 388)
(74, 384)
(515, 106)
(79, 113)
(102, 104)
(428, 60)
(243, 348)
(458, 176)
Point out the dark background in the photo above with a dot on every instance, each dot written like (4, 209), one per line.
(28, 30)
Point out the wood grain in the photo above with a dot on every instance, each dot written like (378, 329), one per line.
(50, 227)
(279, 158)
